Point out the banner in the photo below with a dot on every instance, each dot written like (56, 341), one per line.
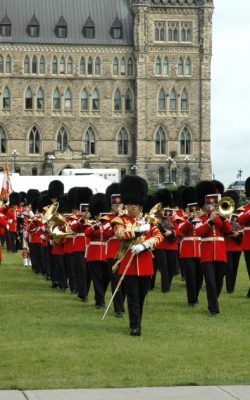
(6, 186)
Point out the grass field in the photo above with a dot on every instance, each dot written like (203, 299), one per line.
(50, 339)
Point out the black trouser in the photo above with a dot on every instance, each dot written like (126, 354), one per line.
(213, 273)
(233, 259)
(61, 276)
(38, 258)
(100, 276)
(247, 260)
(167, 261)
(153, 277)
(136, 288)
(81, 274)
(11, 241)
(114, 279)
(193, 278)
(71, 271)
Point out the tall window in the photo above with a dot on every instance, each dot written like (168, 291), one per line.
(173, 28)
(62, 65)
(130, 67)
(34, 65)
(42, 65)
(161, 175)
(117, 100)
(84, 100)
(160, 142)
(123, 142)
(54, 65)
(34, 141)
(56, 100)
(40, 99)
(184, 100)
(1, 64)
(8, 66)
(158, 66)
(90, 66)
(26, 66)
(6, 99)
(186, 32)
(90, 141)
(115, 66)
(188, 67)
(3, 140)
(160, 31)
(62, 139)
(95, 101)
(180, 66)
(82, 66)
(173, 101)
(128, 100)
(97, 66)
(185, 141)
(161, 101)
(165, 68)
(28, 99)
(70, 66)
(123, 66)
(68, 100)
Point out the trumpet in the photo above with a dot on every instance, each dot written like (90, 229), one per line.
(226, 206)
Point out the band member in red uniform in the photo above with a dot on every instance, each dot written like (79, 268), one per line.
(11, 215)
(3, 224)
(138, 238)
(212, 229)
(244, 220)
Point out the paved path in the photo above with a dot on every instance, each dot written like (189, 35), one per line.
(170, 393)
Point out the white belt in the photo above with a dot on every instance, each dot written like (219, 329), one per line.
(80, 234)
(191, 238)
(247, 228)
(112, 238)
(213, 239)
(70, 237)
(98, 243)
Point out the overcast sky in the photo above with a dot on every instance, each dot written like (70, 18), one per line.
(230, 117)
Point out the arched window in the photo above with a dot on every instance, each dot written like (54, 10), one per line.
(54, 65)
(90, 141)
(185, 141)
(34, 141)
(62, 139)
(173, 101)
(3, 140)
(97, 66)
(186, 32)
(128, 100)
(130, 67)
(34, 65)
(68, 100)
(40, 99)
(160, 142)
(26, 66)
(34, 171)
(28, 99)
(90, 66)
(42, 64)
(188, 67)
(160, 31)
(82, 66)
(161, 101)
(165, 68)
(56, 100)
(158, 66)
(173, 31)
(184, 100)
(84, 100)
(115, 66)
(117, 100)
(123, 66)
(8, 65)
(161, 175)
(70, 66)
(62, 65)
(180, 66)
(122, 142)
(1, 64)
(6, 99)
(95, 101)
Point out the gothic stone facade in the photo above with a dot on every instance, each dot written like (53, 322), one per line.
(136, 98)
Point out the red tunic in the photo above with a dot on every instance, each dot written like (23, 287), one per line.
(97, 247)
(190, 243)
(244, 220)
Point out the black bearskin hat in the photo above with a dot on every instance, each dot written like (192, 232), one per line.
(114, 188)
(82, 195)
(42, 201)
(98, 203)
(164, 196)
(71, 198)
(34, 205)
(133, 190)
(202, 189)
(14, 199)
(188, 196)
(56, 189)
(23, 197)
(247, 187)
(32, 194)
(234, 195)
(178, 195)
(218, 186)
(150, 203)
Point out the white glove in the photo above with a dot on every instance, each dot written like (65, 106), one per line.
(10, 221)
(106, 226)
(42, 237)
(137, 248)
(143, 228)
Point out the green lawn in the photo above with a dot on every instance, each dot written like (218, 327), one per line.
(50, 339)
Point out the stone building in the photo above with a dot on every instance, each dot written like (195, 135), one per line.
(106, 84)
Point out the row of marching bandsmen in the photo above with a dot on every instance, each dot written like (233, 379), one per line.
(126, 235)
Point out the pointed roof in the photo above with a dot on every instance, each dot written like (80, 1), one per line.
(117, 23)
(5, 20)
(34, 21)
(89, 23)
(61, 21)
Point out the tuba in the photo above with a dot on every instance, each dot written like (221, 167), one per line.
(226, 206)
(52, 215)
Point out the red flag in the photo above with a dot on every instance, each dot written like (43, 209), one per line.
(6, 186)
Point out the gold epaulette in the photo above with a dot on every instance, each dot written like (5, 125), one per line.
(117, 221)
